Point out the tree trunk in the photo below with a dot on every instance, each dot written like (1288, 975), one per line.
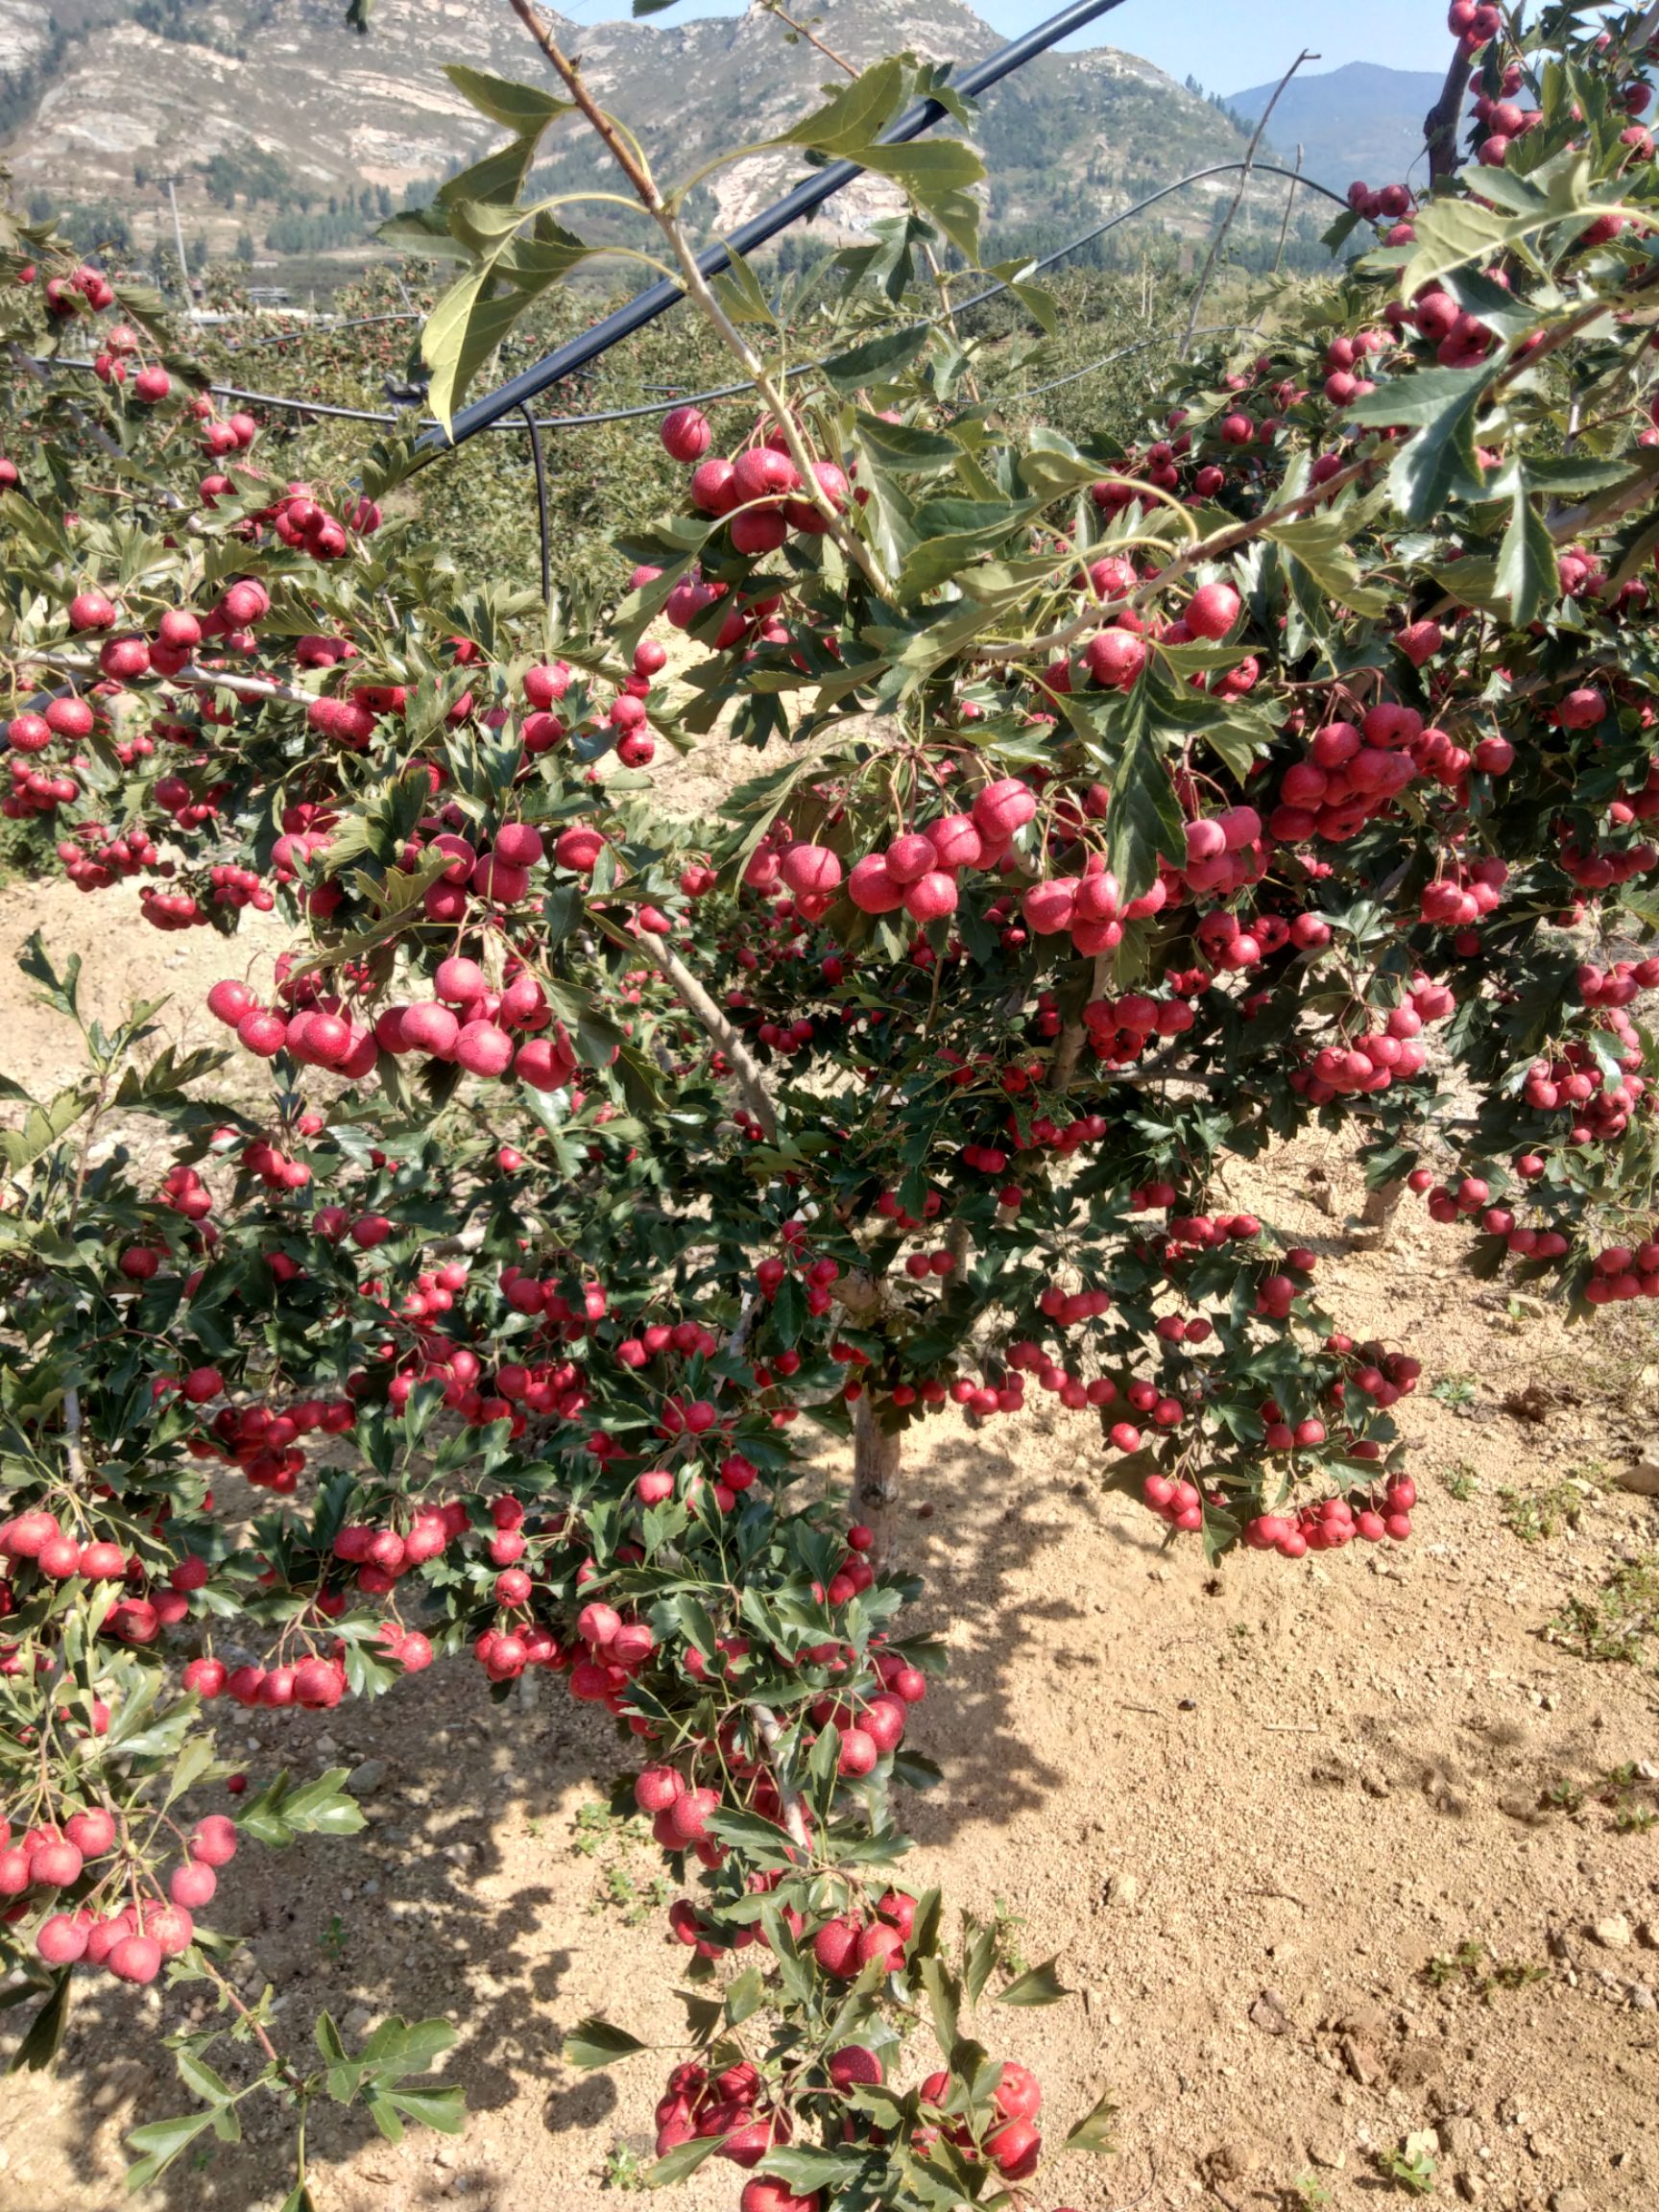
(1377, 1216)
(875, 1478)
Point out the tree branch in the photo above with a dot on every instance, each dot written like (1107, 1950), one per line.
(72, 1435)
(1069, 1050)
(697, 288)
(95, 432)
(1284, 226)
(210, 679)
(1220, 238)
(794, 1818)
(1440, 124)
(697, 1001)
(1209, 548)
(773, 8)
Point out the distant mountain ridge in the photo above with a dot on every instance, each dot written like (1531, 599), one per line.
(277, 95)
(1360, 122)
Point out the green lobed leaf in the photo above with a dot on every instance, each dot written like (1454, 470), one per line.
(1528, 577)
(518, 107)
(685, 2158)
(45, 2037)
(849, 124)
(878, 360)
(159, 2142)
(1094, 2131)
(1040, 1985)
(944, 2002)
(596, 2042)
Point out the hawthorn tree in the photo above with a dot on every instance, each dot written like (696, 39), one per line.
(1124, 808)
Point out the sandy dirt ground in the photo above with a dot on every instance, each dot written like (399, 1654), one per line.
(1249, 1811)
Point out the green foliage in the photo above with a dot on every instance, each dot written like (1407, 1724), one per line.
(1474, 1967)
(1460, 1481)
(755, 1152)
(1410, 2167)
(1536, 1515)
(1619, 1622)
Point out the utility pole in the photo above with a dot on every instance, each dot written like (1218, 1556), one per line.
(171, 183)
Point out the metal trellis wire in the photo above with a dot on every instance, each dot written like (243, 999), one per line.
(286, 402)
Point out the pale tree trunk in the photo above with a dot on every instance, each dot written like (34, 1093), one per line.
(1377, 1215)
(876, 1454)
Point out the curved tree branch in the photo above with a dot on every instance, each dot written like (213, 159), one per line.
(1220, 238)
(697, 1002)
(1440, 124)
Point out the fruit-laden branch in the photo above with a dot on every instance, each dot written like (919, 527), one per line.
(697, 1001)
(209, 679)
(1063, 1068)
(95, 432)
(1210, 548)
(770, 1732)
(697, 288)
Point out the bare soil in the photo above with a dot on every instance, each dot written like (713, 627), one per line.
(1248, 1810)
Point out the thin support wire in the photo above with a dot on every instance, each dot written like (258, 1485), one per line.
(1220, 238)
(283, 403)
(1122, 352)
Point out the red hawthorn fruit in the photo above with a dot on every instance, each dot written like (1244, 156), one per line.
(686, 434)
(853, 2067)
(835, 1947)
(764, 2195)
(1211, 611)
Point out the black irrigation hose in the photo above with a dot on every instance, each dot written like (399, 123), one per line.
(805, 199)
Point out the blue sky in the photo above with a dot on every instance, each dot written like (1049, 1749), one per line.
(1227, 44)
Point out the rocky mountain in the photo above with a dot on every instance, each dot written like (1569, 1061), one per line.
(283, 127)
(1360, 121)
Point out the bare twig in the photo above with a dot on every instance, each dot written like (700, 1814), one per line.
(72, 1435)
(746, 1321)
(947, 313)
(1290, 204)
(1134, 2202)
(1220, 238)
(773, 8)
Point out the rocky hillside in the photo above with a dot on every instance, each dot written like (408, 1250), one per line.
(282, 126)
